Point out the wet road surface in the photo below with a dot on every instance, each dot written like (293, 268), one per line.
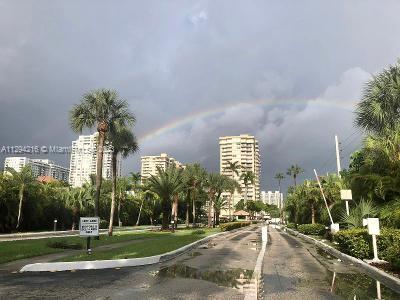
(220, 270)
(294, 269)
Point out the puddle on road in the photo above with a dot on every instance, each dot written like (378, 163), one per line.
(234, 278)
(194, 254)
(359, 286)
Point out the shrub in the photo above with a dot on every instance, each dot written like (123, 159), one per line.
(104, 224)
(313, 229)
(392, 255)
(354, 242)
(291, 225)
(198, 231)
(233, 225)
(63, 244)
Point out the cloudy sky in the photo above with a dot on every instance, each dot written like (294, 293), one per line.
(288, 72)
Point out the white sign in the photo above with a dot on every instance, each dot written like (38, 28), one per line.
(373, 226)
(346, 195)
(334, 228)
(89, 226)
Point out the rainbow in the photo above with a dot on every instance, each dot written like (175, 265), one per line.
(187, 119)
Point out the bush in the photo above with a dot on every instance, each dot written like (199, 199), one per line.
(313, 229)
(104, 224)
(63, 244)
(354, 242)
(291, 226)
(233, 225)
(198, 231)
(358, 243)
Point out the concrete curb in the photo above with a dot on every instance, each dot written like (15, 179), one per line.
(385, 278)
(117, 263)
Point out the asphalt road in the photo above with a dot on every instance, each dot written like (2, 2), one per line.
(220, 270)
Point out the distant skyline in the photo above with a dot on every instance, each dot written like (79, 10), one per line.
(287, 72)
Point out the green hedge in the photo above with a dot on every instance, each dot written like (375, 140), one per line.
(354, 242)
(291, 225)
(314, 229)
(233, 225)
(358, 243)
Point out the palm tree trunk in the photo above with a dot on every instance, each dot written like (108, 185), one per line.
(294, 179)
(140, 211)
(113, 191)
(209, 224)
(176, 201)
(187, 214)
(21, 197)
(312, 213)
(165, 214)
(119, 210)
(194, 208)
(230, 204)
(99, 171)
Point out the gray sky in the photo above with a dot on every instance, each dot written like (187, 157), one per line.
(173, 59)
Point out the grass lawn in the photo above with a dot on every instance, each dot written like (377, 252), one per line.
(14, 250)
(161, 242)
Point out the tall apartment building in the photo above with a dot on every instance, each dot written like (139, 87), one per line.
(272, 198)
(150, 164)
(83, 161)
(40, 167)
(243, 149)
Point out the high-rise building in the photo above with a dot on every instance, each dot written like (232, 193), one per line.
(150, 164)
(244, 150)
(273, 198)
(40, 167)
(83, 161)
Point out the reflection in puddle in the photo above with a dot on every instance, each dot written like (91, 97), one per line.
(234, 278)
(359, 286)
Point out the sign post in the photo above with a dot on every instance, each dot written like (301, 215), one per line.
(374, 230)
(88, 227)
(55, 225)
(347, 196)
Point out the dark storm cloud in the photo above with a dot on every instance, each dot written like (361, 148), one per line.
(173, 58)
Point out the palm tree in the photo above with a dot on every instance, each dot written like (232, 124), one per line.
(136, 179)
(123, 142)
(195, 176)
(248, 178)
(76, 200)
(23, 179)
(379, 107)
(364, 209)
(147, 194)
(293, 171)
(234, 167)
(104, 109)
(166, 184)
(230, 186)
(279, 177)
(214, 185)
(219, 203)
(311, 193)
(122, 187)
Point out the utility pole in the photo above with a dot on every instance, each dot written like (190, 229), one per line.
(337, 155)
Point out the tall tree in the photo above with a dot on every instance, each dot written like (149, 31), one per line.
(23, 179)
(248, 178)
(230, 186)
(214, 186)
(123, 143)
(294, 171)
(166, 184)
(195, 176)
(379, 108)
(102, 109)
(279, 177)
(234, 167)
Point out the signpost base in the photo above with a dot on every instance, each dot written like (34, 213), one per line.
(89, 250)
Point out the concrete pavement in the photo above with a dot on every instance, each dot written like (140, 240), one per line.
(220, 269)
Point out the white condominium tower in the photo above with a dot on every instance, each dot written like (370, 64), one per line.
(244, 150)
(150, 164)
(84, 160)
(40, 167)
